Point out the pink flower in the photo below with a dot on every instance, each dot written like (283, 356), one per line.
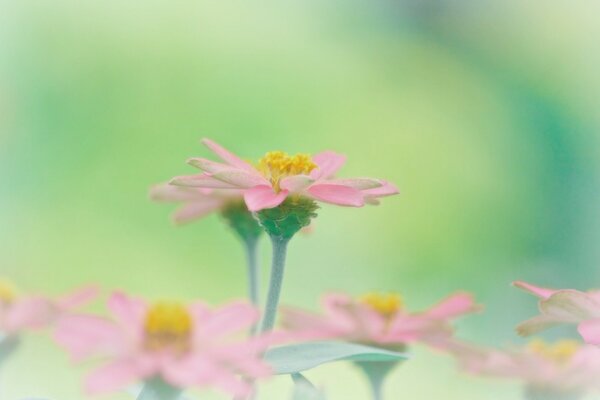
(378, 319)
(566, 306)
(565, 366)
(182, 345)
(24, 312)
(279, 175)
(197, 202)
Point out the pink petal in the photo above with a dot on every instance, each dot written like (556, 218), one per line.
(30, 313)
(357, 183)
(296, 183)
(228, 319)
(590, 331)
(84, 335)
(453, 306)
(240, 178)
(78, 298)
(535, 290)
(113, 377)
(209, 166)
(328, 164)
(200, 181)
(227, 156)
(193, 211)
(387, 189)
(129, 311)
(537, 324)
(261, 197)
(168, 193)
(570, 306)
(336, 194)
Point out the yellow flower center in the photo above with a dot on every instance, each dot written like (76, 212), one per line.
(386, 304)
(561, 351)
(168, 326)
(276, 165)
(7, 292)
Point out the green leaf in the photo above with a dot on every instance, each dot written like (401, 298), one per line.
(301, 357)
(8, 344)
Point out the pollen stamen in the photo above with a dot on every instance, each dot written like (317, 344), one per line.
(168, 326)
(386, 305)
(277, 165)
(8, 292)
(560, 351)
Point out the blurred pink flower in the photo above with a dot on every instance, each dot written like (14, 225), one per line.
(184, 346)
(24, 312)
(564, 366)
(378, 319)
(565, 306)
(196, 202)
(279, 175)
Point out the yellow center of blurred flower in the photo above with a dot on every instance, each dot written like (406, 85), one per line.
(276, 165)
(168, 326)
(386, 304)
(560, 351)
(7, 292)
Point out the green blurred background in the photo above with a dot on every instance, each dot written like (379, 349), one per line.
(483, 112)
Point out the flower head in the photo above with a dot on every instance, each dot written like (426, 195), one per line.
(560, 368)
(279, 175)
(183, 345)
(566, 306)
(378, 319)
(20, 312)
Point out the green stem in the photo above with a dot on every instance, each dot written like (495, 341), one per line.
(545, 393)
(251, 245)
(157, 389)
(376, 373)
(279, 244)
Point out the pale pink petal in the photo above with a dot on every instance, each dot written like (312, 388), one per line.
(168, 193)
(228, 319)
(570, 306)
(240, 178)
(336, 194)
(357, 183)
(590, 331)
(328, 164)
(209, 166)
(537, 324)
(409, 328)
(129, 311)
(196, 210)
(113, 377)
(538, 291)
(261, 197)
(453, 306)
(387, 189)
(84, 335)
(296, 183)
(200, 181)
(78, 298)
(30, 313)
(228, 156)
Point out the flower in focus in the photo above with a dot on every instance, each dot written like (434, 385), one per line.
(565, 306)
(561, 370)
(378, 319)
(183, 346)
(278, 176)
(19, 312)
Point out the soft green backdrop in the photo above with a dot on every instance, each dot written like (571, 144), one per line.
(484, 113)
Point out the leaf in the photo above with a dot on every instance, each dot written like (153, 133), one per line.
(301, 357)
(305, 390)
(8, 344)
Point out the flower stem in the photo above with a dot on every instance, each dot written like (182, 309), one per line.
(251, 245)
(376, 373)
(157, 389)
(279, 244)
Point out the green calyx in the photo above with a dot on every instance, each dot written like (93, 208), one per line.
(242, 221)
(285, 220)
